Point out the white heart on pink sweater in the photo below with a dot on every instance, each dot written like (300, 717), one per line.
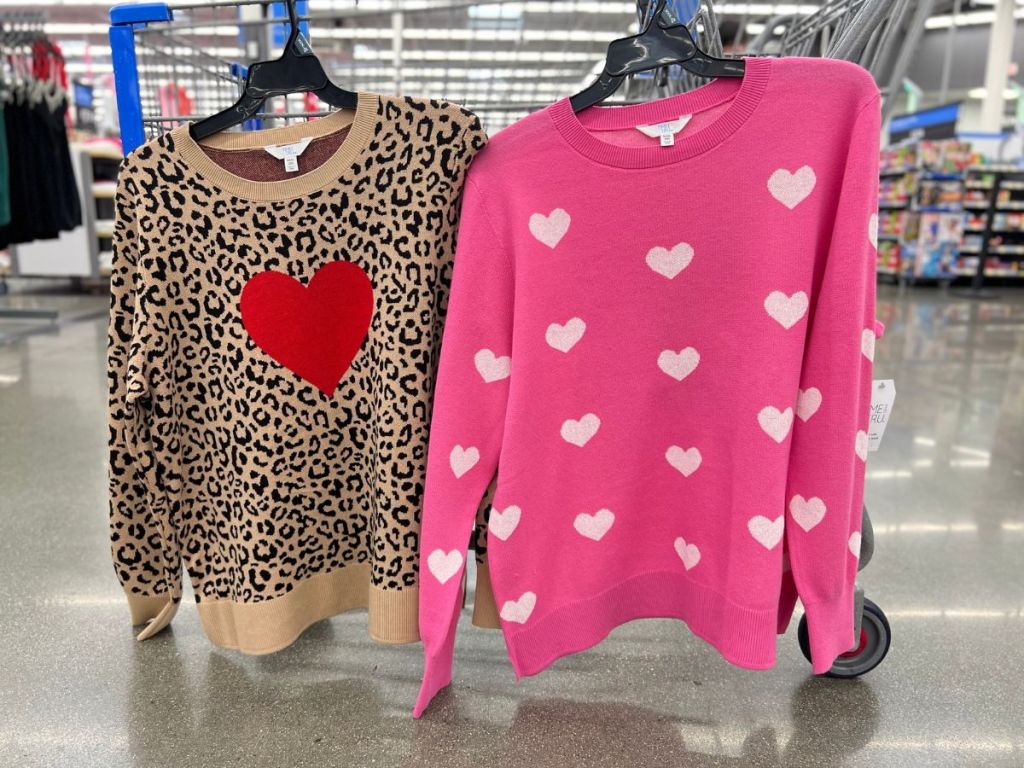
(791, 189)
(867, 343)
(503, 524)
(786, 310)
(463, 459)
(550, 229)
(767, 533)
(594, 526)
(688, 553)
(670, 263)
(443, 565)
(807, 512)
(491, 367)
(860, 445)
(686, 461)
(808, 401)
(775, 423)
(578, 432)
(564, 337)
(679, 364)
(854, 544)
(873, 230)
(519, 610)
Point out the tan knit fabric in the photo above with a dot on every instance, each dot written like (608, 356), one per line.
(272, 351)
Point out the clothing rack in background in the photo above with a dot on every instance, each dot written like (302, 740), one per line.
(487, 56)
(41, 206)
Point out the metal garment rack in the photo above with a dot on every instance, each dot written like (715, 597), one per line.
(162, 46)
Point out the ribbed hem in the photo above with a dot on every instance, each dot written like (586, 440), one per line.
(270, 625)
(830, 630)
(362, 122)
(744, 636)
(744, 93)
(394, 615)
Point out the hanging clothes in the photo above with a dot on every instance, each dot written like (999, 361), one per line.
(39, 195)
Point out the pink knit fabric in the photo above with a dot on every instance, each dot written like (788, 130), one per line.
(665, 353)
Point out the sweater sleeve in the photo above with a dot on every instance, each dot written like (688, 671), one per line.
(466, 429)
(147, 568)
(825, 485)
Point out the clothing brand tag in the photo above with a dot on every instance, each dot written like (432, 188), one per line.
(665, 132)
(289, 153)
(883, 394)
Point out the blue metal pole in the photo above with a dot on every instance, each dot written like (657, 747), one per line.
(123, 20)
(126, 84)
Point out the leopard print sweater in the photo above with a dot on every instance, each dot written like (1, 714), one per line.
(271, 358)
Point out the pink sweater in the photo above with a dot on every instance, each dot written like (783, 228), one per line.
(665, 354)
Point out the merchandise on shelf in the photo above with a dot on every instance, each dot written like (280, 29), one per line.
(899, 157)
(888, 257)
(921, 196)
(936, 248)
(947, 155)
(994, 210)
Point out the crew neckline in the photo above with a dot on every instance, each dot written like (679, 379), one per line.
(744, 94)
(360, 123)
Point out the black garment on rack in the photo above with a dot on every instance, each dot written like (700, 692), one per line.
(43, 189)
(67, 192)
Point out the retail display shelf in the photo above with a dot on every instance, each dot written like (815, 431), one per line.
(976, 206)
(1008, 250)
(1014, 206)
(1012, 185)
(104, 189)
(980, 185)
(104, 228)
(897, 171)
(887, 205)
(108, 153)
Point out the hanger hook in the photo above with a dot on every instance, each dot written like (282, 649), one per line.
(293, 16)
(649, 15)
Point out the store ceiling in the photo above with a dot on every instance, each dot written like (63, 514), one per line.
(507, 54)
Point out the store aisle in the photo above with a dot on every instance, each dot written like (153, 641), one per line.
(945, 493)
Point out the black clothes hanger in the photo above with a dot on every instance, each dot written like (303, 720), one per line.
(298, 70)
(662, 41)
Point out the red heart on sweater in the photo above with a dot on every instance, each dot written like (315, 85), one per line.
(313, 330)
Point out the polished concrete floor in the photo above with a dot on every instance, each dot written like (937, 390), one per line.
(947, 494)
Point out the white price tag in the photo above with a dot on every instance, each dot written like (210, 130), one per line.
(883, 395)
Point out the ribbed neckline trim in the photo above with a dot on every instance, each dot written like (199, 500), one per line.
(743, 93)
(362, 122)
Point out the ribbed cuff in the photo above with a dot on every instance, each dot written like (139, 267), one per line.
(830, 628)
(437, 674)
(155, 611)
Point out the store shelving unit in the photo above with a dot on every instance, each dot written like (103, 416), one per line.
(921, 193)
(993, 224)
(99, 173)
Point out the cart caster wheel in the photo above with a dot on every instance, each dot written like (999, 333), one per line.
(875, 637)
